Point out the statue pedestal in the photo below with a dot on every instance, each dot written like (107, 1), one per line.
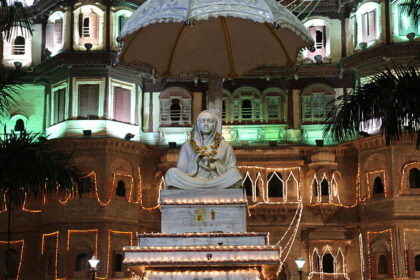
(203, 237)
(203, 211)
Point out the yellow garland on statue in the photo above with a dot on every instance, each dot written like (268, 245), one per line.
(202, 150)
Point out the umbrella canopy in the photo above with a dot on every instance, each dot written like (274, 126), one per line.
(223, 37)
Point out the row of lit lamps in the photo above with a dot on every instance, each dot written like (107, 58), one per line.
(93, 262)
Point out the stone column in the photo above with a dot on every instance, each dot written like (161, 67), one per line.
(214, 97)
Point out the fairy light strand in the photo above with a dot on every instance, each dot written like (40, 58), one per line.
(46, 235)
(21, 253)
(369, 234)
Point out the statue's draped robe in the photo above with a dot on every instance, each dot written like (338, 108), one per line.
(190, 175)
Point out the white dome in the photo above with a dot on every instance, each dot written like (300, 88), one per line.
(158, 11)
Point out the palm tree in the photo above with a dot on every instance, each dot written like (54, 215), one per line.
(392, 97)
(9, 87)
(31, 167)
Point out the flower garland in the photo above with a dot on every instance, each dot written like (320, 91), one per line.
(203, 150)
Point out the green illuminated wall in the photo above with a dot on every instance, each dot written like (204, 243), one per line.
(29, 107)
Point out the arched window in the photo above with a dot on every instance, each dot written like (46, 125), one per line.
(88, 26)
(54, 33)
(382, 265)
(246, 109)
(378, 186)
(318, 33)
(13, 264)
(417, 263)
(328, 263)
(414, 178)
(82, 262)
(118, 263)
(275, 102)
(19, 46)
(317, 101)
(19, 125)
(120, 189)
(367, 24)
(248, 186)
(175, 107)
(325, 190)
(275, 185)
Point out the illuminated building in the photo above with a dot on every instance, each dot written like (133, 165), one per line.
(350, 209)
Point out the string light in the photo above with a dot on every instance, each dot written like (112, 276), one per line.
(319, 269)
(265, 197)
(4, 203)
(358, 195)
(115, 232)
(201, 234)
(252, 167)
(28, 210)
(403, 176)
(202, 202)
(201, 248)
(114, 176)
(214, 274)
(405, 231)
(45, 235)
(362, 259)
(67, 198)
(44, 197)
(21, 253)
(388, 231)
(70, 231)
(140, 186)
(383, 173)
(291, 239)
(332, 190)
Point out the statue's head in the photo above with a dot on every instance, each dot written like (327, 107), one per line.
(205, 127)
(207, 122)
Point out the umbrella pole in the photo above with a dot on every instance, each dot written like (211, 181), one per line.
(215, 97)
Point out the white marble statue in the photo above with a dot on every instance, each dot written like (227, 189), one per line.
(206, 161)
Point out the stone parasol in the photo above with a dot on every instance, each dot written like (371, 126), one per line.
(225, 38)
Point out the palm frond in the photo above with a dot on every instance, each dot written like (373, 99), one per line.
(31, 165)
(410, 8)
(10, 86)
(14, 17)
(391, 96)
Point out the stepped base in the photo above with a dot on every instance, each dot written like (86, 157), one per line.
(203, 239)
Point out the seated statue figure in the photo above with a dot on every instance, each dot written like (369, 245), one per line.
(206, 161)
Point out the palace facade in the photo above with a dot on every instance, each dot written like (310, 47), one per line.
(351, 209)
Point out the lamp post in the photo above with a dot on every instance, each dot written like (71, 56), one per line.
(93, 263)
(300, 262)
